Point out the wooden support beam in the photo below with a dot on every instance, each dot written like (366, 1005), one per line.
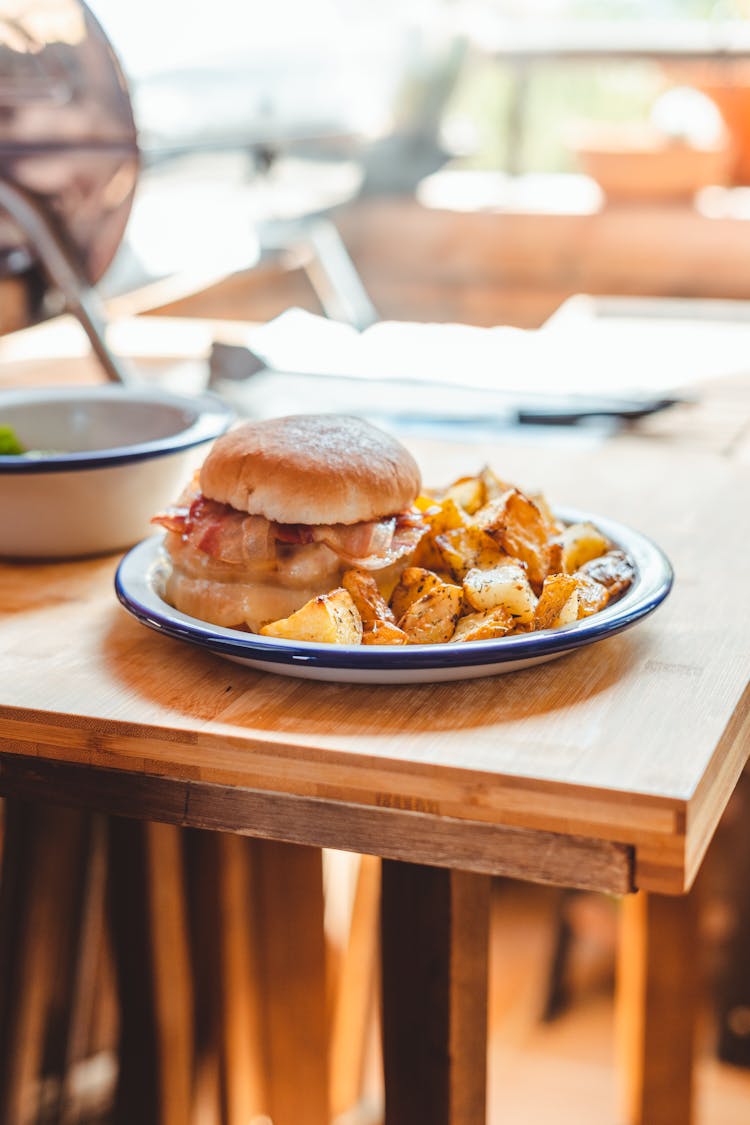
(354, 1003)
(289, 913)
(46, 852)
(148, 907)
(658, 986)
(435, 928)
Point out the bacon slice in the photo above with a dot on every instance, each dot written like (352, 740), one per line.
(293, 533)
(377, 544)
(221, 531)
(237, 538)
(173, 518)
(357, 540)
(405, 540)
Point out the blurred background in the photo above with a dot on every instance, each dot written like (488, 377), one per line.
(432, 130)
(532, 149)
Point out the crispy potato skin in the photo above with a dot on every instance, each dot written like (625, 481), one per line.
(505, 586)
(519, 528)
(554, 527)
(442, 516)
(484, 626)
(494, 562)
(467, 548)
(469, 493)
(415, 582)
(592, 596)
(558, 604)
(328, 619)
(580, 543)
(614, 571)
(384, 633)
(378, 620)
(365, 594)
(431, 619)
(492, 484)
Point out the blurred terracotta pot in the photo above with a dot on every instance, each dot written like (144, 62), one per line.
(640, 163)
(733, 102)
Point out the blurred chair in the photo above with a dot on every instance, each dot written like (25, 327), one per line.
(302, 166)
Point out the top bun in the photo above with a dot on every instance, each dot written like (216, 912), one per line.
(311, 469)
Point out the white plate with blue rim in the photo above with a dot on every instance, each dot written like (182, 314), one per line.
(139, 584)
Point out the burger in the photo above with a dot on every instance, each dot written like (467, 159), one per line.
(280, 509)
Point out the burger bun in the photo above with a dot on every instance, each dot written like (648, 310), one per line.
(311, 469)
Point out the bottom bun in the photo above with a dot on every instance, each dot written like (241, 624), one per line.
(233, 604)
(214, 591)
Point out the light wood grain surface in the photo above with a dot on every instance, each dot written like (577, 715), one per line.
(622, 755)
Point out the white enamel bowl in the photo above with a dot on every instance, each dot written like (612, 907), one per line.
(111, 457)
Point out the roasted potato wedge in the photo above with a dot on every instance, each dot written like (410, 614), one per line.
(384, 633)
(449, 516)
(415, 581)
(592, 596)
(558, 604)
(581, 542)
(370, 603)
(505, 585)
(554, 527)
(492, 484)
(328, 619)
(484, 626)
(468, 493)
(424, 502)
(446, 516)
(466, 548)
(432, 618)
(614, 571)
(554, 557)
(518, 527)
(427, 556)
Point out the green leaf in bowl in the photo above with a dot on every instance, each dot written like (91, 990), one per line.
(9, 443)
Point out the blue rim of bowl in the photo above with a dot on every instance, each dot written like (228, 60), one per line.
(213, 417)
(134, 585)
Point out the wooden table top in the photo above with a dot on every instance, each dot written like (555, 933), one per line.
(608, 768)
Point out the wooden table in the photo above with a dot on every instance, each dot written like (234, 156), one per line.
(608, 769)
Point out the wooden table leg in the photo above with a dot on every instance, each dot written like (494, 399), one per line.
(435, 935)
(231, 1068)
(148, 907)
(733, 986)
(357, 987)
(89, 956)
(288, 890)
(259, 955)
(658, 987)
(46, 853)
(249, 915)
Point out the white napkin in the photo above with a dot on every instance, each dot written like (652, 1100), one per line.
(614, 356)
